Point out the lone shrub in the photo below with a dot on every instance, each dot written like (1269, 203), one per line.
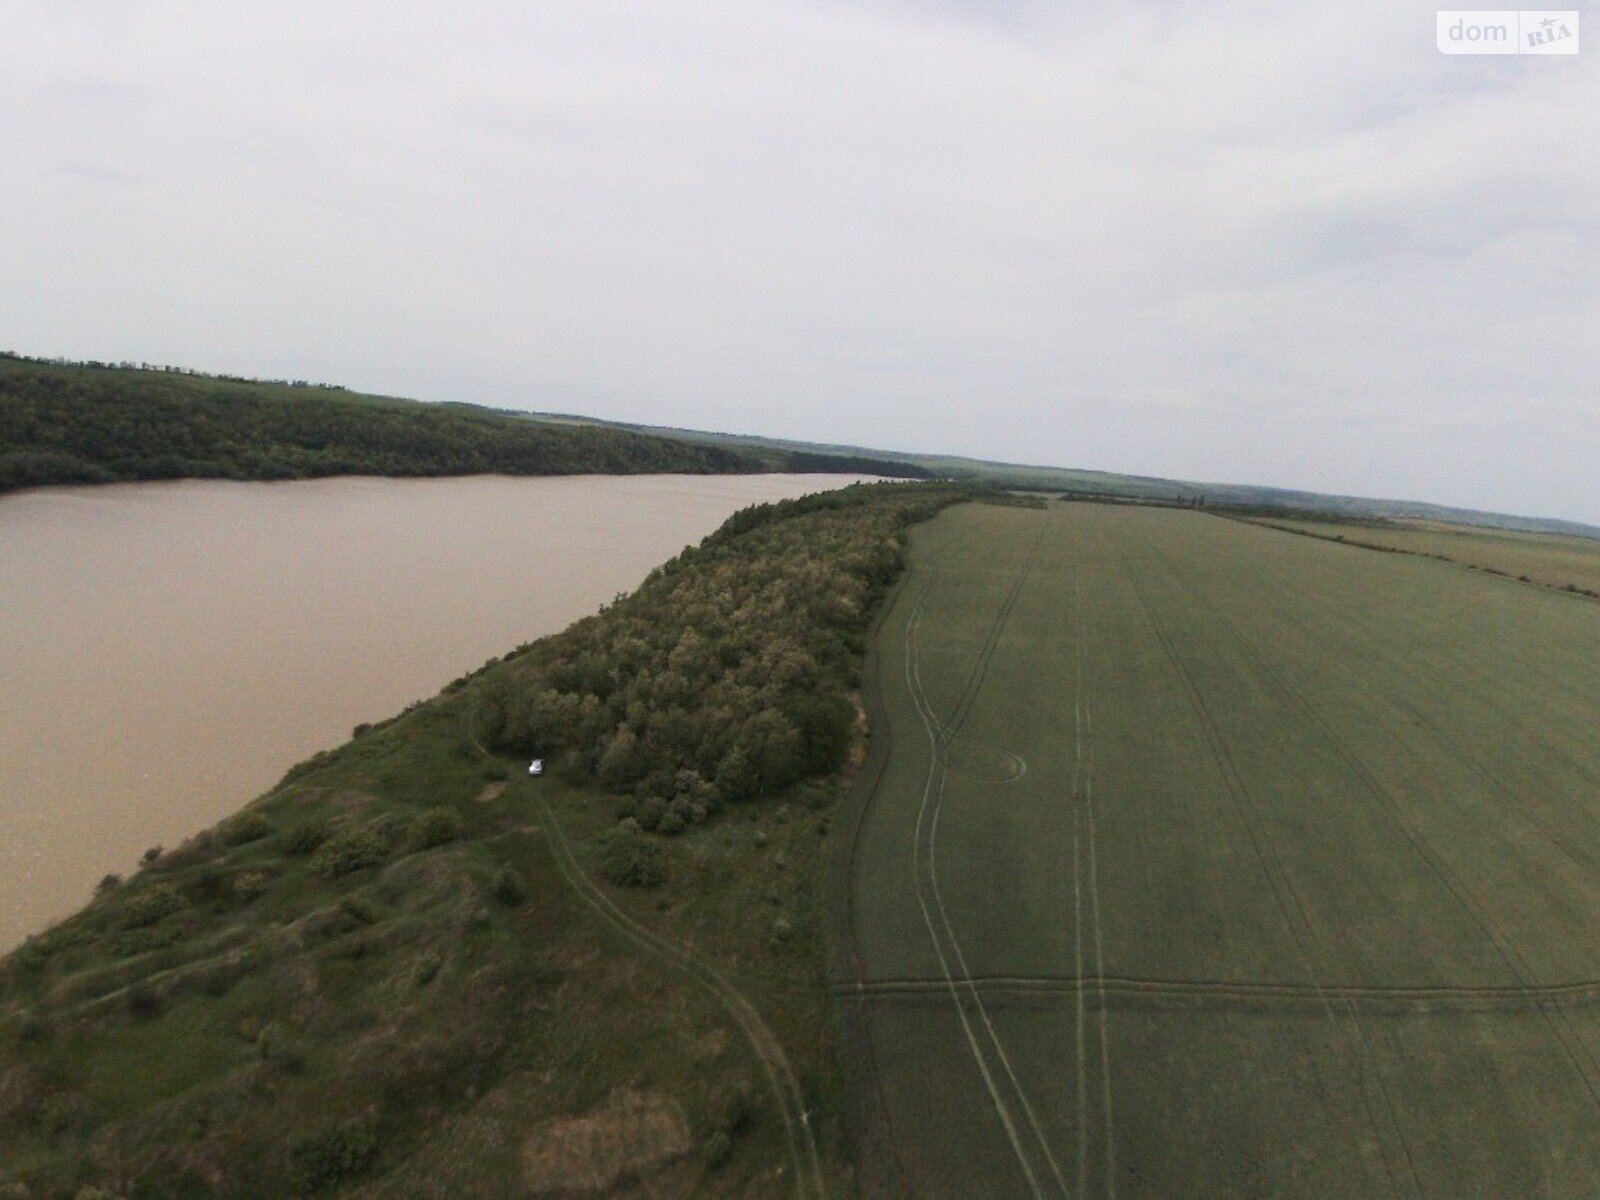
(435, 827)
(719, 1148)
(629, 859)
(208, 882)
(130, 942)
(738, 1112)
(350, 851)
(361, 909)
(318, 1162)
(245, 828)
(508, 888)
(144, 1002)
(814, 798)
(306, 836)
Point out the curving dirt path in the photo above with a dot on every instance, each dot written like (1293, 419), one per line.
(809, 1180)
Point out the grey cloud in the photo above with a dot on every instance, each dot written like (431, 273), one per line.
(1292, 246)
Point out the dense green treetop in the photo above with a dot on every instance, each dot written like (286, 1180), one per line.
(730, 673)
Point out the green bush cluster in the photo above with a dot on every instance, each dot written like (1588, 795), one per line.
(629, 859)
(243, 829)
(305, 836)
(427, 969)
(350, 851)
(730, 672)
(320, 1161)
(435, 827)
(147, 905)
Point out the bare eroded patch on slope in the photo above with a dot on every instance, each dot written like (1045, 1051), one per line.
(632, 1135)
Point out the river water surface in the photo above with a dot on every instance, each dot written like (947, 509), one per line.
(167, 651)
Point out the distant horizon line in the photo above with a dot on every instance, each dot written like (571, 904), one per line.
(1580, 527)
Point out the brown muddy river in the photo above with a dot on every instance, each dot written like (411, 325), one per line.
(167, 651)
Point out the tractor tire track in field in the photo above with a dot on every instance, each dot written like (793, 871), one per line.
(939, 734)
(1473, 904)
(1083, 768)
(1100, 969)
(1081, 990)
(1415, 1000)
(1297, 924)
(1419, 668)
(1496, 687)
(1555, 684)
(809, 1180)
(937, 773)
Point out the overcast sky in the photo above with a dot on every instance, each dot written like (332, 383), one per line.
(1269, 243)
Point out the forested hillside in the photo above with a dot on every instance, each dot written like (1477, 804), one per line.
(76, 423)
(730, 673)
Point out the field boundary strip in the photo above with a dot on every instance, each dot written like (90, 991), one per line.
(866, 1097)
(1574, 590)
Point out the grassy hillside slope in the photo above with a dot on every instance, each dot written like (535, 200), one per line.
(74, 423)
(412, 970)
(1200, 860)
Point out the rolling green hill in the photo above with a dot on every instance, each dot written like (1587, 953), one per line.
(93, 423)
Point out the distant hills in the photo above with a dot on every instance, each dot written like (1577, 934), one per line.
(91, 422)
(1073, 481)
(120, 423)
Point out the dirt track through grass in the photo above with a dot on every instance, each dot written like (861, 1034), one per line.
(785, 1090)
(1294, 896)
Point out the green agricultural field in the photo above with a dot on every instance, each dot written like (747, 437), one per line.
(1552, 559)
(1194, 859)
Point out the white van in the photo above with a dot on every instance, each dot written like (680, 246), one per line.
(536, 767)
